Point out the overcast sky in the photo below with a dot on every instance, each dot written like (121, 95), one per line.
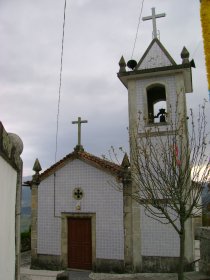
(97, 34)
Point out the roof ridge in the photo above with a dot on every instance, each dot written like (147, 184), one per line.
(103, 163)
(102, 159)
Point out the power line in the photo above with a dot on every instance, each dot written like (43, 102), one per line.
(139, 21)
(196, 48)
(58, 108)
(60, 83)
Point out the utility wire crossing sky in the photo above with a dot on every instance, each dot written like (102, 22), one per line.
(97, 34)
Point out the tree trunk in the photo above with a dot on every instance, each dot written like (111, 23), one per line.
(182, 253)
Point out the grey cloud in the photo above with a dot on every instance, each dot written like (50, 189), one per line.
(97, 34)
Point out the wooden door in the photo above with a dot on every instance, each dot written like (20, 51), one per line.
(79, 243)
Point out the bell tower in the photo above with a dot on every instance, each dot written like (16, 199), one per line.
(157, 88)
(156, 84)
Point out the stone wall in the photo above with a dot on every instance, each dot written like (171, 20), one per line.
(50, 262)
(204, 264)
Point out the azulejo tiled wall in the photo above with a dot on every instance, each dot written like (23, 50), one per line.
(99, 197)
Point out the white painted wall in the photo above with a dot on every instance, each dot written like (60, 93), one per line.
(99, 197)
(158, 239)
(155, 58)
(8, 181)
(171, 87)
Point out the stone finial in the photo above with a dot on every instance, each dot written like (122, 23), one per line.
(185, 55)
(125, 162)
(122, 65)
(126, 174)
(36, 177)
(17, 142)
(37, 167)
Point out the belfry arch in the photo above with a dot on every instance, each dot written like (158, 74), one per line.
(156, 94)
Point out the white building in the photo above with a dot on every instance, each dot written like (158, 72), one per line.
(77, 215)
(79, 219)
(10, 186)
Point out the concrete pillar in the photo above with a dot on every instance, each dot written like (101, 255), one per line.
(132, 246)
(131, 211)
(136, 236)
(127, 203)
(34, 210)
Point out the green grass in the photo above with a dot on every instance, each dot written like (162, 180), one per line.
(26, 240)
(25, 223)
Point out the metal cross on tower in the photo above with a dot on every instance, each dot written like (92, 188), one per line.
(79, 122)
(153, 18)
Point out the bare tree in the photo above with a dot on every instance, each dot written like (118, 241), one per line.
(169, 167)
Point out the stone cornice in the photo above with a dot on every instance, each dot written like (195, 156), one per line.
(8, 150)
(157, 71)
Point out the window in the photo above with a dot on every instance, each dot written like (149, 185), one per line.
(156, 103)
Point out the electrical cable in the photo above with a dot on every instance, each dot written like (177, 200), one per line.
(60, 83)
(196, 48)
(58, 108)
(139, 21)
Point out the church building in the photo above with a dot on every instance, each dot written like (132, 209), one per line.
(80, 219)
(77, 214)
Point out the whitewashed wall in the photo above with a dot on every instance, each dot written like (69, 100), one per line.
(8, 181)
(155, 58)
(170, 83)
(158, 239)
(99, 197)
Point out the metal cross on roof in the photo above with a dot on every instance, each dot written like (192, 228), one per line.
(79, 122)
(153, 18)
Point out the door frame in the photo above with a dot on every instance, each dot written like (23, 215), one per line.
(64, 235)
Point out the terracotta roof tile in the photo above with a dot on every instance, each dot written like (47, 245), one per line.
(100, 163)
